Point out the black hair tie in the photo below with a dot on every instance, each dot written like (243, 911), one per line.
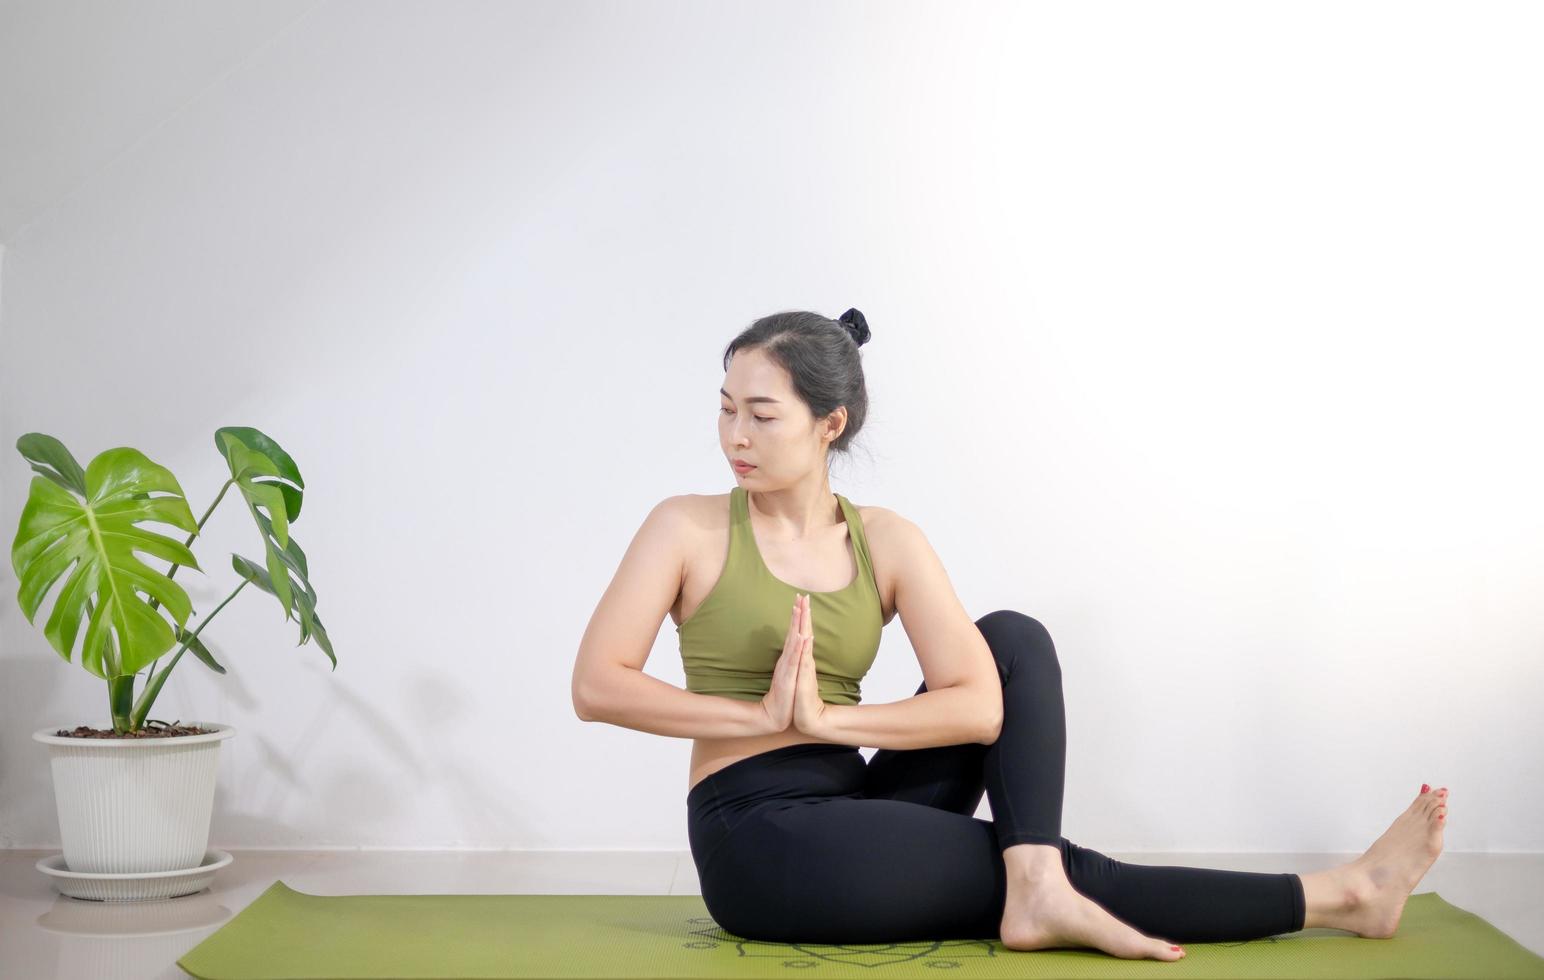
(854, 323)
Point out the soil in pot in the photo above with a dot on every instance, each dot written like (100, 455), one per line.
(150, 729)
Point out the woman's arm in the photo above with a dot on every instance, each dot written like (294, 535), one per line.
(609, 683)
(632, 699)
(949, 716)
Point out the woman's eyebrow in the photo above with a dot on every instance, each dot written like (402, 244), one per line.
(753, 398)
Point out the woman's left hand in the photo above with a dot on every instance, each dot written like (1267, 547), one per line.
(808, 708)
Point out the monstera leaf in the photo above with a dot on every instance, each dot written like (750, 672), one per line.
(88, 520)
(251, 454)
(305, 598)
(49, 457)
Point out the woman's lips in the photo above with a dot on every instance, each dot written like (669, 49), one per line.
(743, 467)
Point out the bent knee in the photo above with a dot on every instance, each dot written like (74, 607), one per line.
(1015, 623)
(1011, 633)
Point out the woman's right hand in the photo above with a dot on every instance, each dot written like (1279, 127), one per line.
(777, 703)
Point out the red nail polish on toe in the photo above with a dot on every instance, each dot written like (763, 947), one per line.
(1425, 788)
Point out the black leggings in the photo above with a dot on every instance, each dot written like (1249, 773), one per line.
(810, 843)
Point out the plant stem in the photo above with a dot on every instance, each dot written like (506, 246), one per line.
(172, 572)
(149, 696)
(137, 716)
(120, 693)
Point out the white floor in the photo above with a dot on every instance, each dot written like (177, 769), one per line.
(45, 935)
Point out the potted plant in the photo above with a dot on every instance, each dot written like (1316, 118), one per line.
(136, 799)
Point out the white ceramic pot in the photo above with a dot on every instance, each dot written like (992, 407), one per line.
(134, 804)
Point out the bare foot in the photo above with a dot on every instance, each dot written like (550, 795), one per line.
(1049, 913)
(1380, 880)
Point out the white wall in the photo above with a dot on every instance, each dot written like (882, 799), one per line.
(1206, 334)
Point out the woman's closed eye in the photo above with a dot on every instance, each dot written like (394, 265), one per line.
(758, 418)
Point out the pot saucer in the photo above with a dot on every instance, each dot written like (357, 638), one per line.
(132, 886)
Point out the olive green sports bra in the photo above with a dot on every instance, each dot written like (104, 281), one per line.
(731, 642)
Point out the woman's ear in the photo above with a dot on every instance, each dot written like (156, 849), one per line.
(836, 422)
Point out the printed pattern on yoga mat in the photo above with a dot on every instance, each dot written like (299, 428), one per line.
(288, 935)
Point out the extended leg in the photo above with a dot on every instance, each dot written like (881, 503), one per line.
(1181, 904)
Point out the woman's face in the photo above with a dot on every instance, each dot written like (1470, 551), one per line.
(780, 437)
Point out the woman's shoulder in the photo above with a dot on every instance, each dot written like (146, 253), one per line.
(701, 504)
(700, 513)
(876, 519)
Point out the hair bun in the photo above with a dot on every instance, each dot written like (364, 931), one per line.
(856, 325)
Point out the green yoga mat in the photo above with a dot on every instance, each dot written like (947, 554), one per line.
(286, 935)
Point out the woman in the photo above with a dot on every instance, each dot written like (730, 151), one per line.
(795, 837)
